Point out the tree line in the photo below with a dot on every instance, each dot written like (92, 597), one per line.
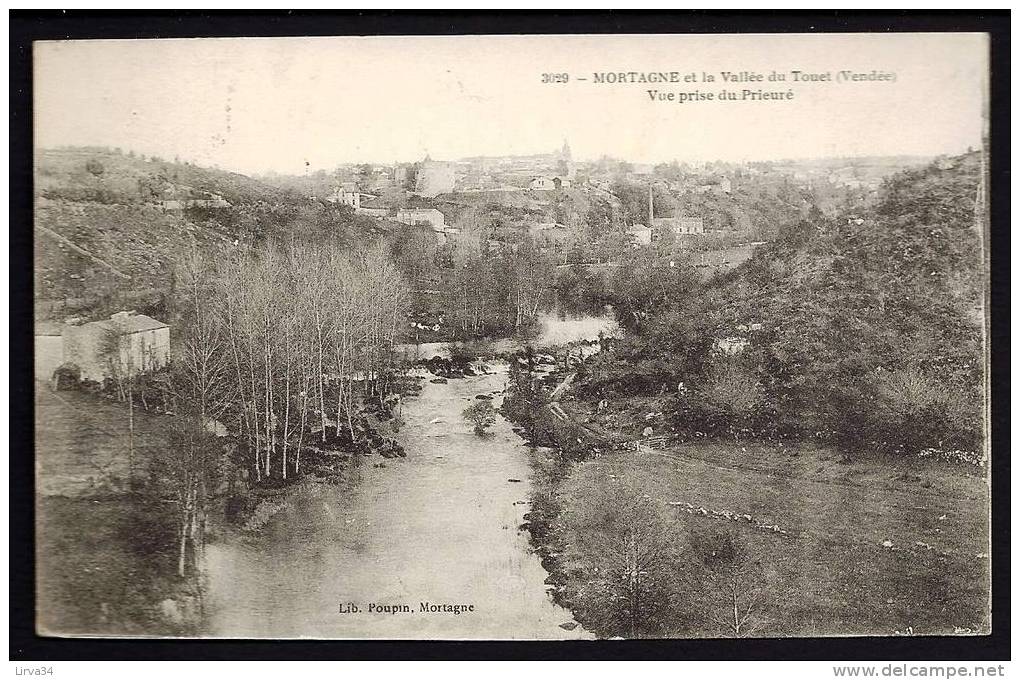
(280, 347)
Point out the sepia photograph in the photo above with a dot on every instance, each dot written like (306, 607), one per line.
(512, 337)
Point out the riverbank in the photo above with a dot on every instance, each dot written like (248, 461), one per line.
(107, 517)
(440, 526)
(106, 555)
(880, 545)
(107, 566)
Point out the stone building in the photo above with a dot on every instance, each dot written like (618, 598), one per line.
(125, 344)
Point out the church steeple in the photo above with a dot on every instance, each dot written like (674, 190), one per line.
(564, 162)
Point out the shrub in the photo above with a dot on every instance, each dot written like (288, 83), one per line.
(915, 410)
(729, 401)
(481, 415)
(731, 590)
(628, 548)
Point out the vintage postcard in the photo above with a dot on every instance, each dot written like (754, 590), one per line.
(512, 337)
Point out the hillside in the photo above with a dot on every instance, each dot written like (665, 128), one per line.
(109, 226)
(792, 447)
(131, 179)
(865, 329)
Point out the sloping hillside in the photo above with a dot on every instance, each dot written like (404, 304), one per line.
(863, 328)
(109, 176)
(109, 225)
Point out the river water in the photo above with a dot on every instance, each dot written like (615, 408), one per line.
(554, 329)
(440, 526)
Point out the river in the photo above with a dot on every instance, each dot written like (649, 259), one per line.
(441, 526)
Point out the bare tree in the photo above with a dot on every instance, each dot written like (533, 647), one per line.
(732, 586)
(304, 328)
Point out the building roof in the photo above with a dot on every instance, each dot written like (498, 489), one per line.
(140, 322)
(130, 323)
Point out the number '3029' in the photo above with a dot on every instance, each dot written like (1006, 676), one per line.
(555, 78)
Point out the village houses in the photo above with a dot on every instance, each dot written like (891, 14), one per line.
(427, 217)
(543, 183)
(434, 178)
(678, 224)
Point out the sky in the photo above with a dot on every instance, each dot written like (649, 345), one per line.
(295, 105)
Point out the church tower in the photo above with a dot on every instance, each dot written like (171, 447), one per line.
(565, 162)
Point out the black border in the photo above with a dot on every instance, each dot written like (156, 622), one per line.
(27, 26)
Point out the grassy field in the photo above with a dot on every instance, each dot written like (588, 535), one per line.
(105, 557)
(81, 443)
(105, 566)
(876, 547)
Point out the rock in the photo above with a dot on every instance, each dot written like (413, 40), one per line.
(887, 543)
(569, 625)
(647, 432)
(484, 396)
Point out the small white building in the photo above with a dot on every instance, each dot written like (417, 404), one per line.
(49, 349)
(640, 234)
(543, 183)
(125, 344)
(426, 217)
(681, 226)
(351, 198)
(689, 225)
